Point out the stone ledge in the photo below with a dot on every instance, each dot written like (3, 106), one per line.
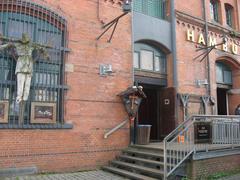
(37, 126)
(9, 172)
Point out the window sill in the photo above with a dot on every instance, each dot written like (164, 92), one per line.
(37, 126)
(149, 71)
(217, 23)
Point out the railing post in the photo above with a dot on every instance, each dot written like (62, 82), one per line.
(165, 159)
(193, 143)
(232, 133)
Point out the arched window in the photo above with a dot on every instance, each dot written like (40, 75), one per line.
(44, 27)
(229, 14)
(149, 58)
(223, 73)
(214, 10)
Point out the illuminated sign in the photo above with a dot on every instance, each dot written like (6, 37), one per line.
(212, 41)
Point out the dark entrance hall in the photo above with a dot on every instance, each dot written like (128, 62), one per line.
(222, 101)
(148, 111)
(158, 110)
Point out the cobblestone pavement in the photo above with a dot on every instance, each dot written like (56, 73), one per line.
(89, 175)
(234, 177)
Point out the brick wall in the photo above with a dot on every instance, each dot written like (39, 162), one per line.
(92, 104)
(190, 70)
(196, 10)
(203, 168)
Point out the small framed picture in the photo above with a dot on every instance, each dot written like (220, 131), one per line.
(4, 105)
(43, 113)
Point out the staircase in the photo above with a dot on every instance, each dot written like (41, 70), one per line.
(159, 161)
(139, 162)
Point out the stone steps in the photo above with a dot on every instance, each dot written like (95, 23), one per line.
(138, 162)
(138, 152)
(126, 174)
(138, 168)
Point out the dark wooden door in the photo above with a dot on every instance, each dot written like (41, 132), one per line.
(167, 100)
(222, 101)
(148, 111)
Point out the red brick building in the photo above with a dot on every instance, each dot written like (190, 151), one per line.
(221, 69)
(189, 80)
(86, 103)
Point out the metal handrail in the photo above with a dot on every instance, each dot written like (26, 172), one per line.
(176, 129)
(116, 128)
(226, 130)
(182, 154)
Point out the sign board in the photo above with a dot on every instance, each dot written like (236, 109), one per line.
(203, 132)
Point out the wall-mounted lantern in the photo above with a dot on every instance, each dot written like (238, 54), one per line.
(127, 7)
(132, 98)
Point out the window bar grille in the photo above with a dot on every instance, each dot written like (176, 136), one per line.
(59, 79)
(63, 69)
(13, 87)
(48, 78)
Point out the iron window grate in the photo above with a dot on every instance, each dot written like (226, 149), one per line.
(47, 85)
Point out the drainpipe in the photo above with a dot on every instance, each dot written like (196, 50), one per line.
(133, 77)
(174, 54)
(174, 48)
(208, 58)
(132, 41)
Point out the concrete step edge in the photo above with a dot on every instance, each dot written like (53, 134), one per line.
(134, 151)
(138, 167)
(127, 174)
(148, 161)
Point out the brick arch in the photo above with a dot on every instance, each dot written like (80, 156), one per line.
(231, 61)
(155, 44)
(234, 96)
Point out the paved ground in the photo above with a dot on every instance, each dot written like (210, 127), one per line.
(90, 175)
(234, 177)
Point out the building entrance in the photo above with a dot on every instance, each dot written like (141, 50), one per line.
(222, 101)
(158, 110)
(148, 111)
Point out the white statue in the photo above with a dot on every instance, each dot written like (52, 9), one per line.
(24, 68)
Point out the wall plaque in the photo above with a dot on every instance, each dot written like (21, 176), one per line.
(4, 105)
(203, 132)
(43, 113)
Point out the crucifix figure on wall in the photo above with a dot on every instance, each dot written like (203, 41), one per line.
(23, 54)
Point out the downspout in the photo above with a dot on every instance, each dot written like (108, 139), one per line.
(98, 12)
(133, 77)
(208, 58)
(132, 39)
(174, 54)
(174, 46)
